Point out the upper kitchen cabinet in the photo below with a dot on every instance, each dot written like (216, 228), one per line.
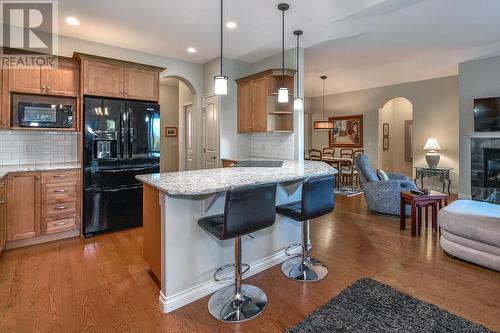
(63, 80)
(106, 77)
(258, 108)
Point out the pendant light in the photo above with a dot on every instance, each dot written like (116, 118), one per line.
(221, 80)
(324, 123)
(283, 90)
(298, 103)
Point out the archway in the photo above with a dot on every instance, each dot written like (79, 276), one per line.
(396, 136)
(178, 121)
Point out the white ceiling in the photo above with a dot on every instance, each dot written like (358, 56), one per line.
(358, 43)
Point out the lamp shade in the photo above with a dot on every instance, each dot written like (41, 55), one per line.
(298, 104)
(220, 85)
(323, 124)
(282, 95)
(432, 144)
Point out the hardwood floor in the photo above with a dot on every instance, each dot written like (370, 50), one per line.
(102, 284)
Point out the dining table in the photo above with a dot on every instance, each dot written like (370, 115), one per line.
(335, 161)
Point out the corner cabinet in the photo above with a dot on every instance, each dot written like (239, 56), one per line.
(258, 108)
(106, 77)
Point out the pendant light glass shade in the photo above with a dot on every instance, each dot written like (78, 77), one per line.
(283, 95)
(298, 104)
(220, 85)
(220, 81)
(324, 124)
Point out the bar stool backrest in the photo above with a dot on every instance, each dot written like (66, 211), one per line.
(315, 155)
(317, 197)
(330, 152)
(249, 209)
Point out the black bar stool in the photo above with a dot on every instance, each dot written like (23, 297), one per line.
(317, 200)
(247, 209)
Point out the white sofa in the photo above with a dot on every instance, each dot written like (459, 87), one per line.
(470, 230)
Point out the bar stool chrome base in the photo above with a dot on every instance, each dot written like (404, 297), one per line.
(230, 306)
(304, 269)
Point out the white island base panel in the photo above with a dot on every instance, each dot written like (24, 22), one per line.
(190, 255)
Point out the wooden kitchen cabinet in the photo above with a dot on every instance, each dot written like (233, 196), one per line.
(41, 206)
(3, 226)
(106, 77)
(258, 109)
(60, 81)
(23, 205)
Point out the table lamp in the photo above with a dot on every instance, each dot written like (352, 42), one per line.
(432, 157)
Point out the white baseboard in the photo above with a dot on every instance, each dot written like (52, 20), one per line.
(173, 302)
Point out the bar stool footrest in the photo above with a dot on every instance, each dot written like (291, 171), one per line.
(218, 277)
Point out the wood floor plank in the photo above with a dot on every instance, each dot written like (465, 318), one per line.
(102, 284)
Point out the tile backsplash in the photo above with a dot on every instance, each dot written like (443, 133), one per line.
(37, 147)
(272, 145)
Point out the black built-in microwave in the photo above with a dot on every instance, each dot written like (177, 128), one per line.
(43, 111)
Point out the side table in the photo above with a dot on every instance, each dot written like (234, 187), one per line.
(443, 173)
(432, 199)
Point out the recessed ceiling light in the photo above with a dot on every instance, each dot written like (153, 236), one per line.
(191, 50)
(72, 20)
(231, 25)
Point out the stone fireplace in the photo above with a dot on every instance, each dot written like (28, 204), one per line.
(485, 169)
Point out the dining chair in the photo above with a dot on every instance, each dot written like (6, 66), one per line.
(315, 155)
(347, 167)
(355, 172)
(328, 152)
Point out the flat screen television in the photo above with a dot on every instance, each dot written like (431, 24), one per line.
(487, 114)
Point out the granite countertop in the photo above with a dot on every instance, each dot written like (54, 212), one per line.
(199, 182)
(6, 169)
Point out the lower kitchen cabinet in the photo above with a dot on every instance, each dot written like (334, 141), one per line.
(23, 205)
(41, 206)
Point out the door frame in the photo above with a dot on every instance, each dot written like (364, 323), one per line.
(203, 131)
(184, 130)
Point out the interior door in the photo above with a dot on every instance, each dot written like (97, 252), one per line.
(189, 137)
(211, 133)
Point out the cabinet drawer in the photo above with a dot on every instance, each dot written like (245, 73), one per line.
(56, 191)
(60, 225)
(59, 209)
(60, 176)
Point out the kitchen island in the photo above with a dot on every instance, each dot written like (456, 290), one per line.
(182, 256)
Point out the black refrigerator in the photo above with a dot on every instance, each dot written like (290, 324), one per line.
(122, 140)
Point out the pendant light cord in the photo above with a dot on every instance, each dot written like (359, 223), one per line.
(298, 82)
(323, 98)
(283, 44)
(221, 32)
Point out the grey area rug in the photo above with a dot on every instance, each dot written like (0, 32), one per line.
(370, 306)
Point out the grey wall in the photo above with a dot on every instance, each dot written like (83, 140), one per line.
(435, 113)
(477, 79)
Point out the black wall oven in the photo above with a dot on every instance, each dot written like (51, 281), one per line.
(43, 111)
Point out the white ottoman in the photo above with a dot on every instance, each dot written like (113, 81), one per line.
(470, 230)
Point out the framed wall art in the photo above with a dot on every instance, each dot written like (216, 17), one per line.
(347, 131)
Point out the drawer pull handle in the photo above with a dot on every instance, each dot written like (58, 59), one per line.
(60, 176)
(2, 184)
(61, 207)
(60, 224)
(60, 191)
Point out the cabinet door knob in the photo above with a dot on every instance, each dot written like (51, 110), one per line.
(2, 202)
(43, 87)
(37, 177)
(126, 92)
(4, 123)
(48, 87)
